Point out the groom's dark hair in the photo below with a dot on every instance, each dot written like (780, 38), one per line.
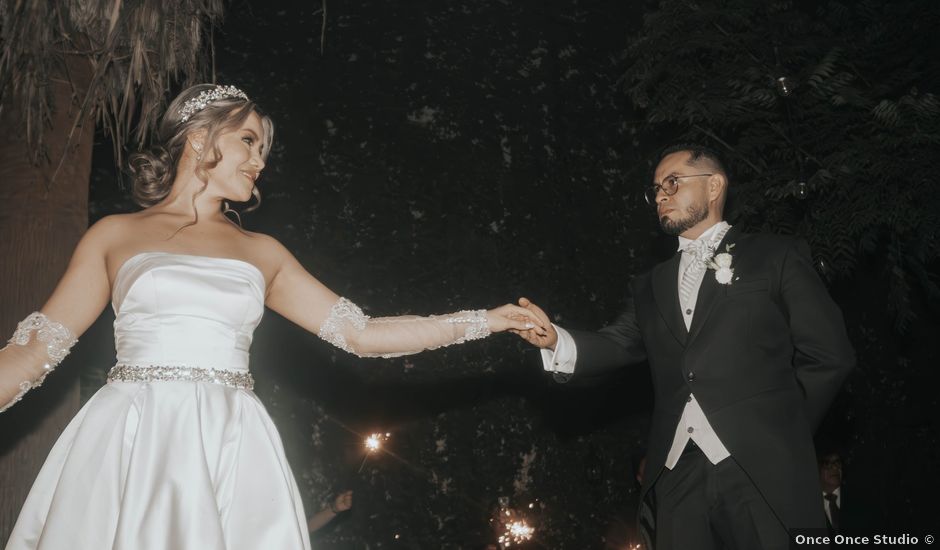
(696, 152)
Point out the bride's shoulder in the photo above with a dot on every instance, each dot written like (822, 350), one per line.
(267, 249)
(109, 228)
(262, 241)
(119, 222)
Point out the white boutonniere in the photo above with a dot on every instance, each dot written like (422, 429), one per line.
(721, 263)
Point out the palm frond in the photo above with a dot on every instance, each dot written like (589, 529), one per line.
(138, 52)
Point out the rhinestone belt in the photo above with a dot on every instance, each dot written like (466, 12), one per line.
(159, 373)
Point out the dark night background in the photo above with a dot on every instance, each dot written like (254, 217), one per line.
(443, 155)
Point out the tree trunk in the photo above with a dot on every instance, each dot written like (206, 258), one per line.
(41, 221)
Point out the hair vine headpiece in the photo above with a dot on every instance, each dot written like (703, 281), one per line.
(198, 103)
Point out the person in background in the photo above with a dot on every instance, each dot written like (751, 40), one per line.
(830, 478)
(340, 503)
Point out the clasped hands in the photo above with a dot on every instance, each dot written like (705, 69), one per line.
(543, 334)
(518, 319)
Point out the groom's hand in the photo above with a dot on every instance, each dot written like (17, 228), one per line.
(546, 338)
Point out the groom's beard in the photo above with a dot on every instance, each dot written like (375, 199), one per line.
(693, 215)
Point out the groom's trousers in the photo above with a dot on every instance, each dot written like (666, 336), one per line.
(705, 506)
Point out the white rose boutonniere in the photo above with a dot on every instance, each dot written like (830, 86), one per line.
(721, 263)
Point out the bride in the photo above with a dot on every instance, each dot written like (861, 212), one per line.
(176, 451)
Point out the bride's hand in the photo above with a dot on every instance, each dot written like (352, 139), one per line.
(515, 318)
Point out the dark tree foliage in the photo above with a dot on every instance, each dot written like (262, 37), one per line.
(137, 51)
(842, 151)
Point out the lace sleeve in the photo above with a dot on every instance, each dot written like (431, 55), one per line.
(349, 329)
(45, 335)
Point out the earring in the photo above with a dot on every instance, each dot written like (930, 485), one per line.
(198, 149)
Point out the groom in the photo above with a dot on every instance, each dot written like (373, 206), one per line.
(746, 350)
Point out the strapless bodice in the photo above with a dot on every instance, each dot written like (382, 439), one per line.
(185, 310)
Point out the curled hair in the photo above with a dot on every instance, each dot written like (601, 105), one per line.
(154, 170)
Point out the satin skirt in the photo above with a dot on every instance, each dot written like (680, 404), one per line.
(165, 465)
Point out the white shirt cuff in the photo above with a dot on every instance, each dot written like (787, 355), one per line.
(563, 358)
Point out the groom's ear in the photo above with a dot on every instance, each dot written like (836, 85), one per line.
(717, 188)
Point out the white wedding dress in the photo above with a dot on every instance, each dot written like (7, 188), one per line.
(171, 464)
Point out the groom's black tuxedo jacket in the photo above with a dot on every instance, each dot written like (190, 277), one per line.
(764, 357)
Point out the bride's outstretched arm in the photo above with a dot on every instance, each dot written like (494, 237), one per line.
(298, 296)
(44, 337)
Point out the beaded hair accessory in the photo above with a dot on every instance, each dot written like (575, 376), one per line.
(198, 103)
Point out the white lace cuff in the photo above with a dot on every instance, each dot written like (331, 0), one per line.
(341, 314)
(475, 321)
(58, 340)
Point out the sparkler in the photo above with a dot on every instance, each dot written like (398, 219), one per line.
(373, 443)
(516, 528)
(517, 531)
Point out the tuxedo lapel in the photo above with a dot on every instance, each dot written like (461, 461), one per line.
(666, 293)
(710, 291)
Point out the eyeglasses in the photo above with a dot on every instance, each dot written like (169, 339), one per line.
(669, 185)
